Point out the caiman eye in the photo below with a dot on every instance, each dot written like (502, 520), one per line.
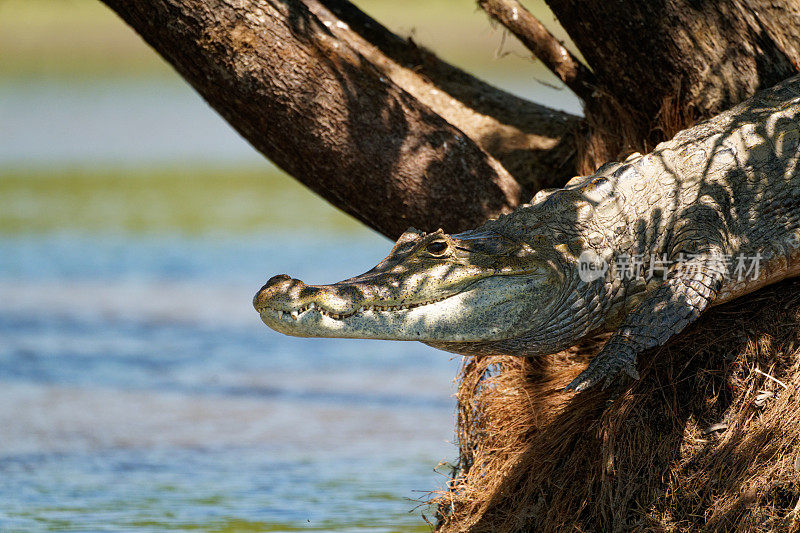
(436, 248)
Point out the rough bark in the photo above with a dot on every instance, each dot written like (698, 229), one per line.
(662, 65)
(534, 143)
(322, 111)
(543, 44)
(708, 56)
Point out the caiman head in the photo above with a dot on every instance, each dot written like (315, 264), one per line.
(474, 292)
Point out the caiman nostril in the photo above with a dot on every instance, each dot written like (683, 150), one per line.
(276, 279)
(276, 285)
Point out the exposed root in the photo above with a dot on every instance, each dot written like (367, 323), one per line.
(614, 129)
(611, 131)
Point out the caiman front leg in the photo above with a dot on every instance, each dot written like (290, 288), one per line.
(689, 288)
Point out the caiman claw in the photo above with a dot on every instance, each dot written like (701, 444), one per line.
(605, 367)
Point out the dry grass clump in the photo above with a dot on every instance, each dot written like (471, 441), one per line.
(705, 441)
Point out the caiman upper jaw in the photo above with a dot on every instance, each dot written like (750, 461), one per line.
(291, 297)
(283, 293)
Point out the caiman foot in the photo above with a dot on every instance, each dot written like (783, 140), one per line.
(690, 287)
(606, 366)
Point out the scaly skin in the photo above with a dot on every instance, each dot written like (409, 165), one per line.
(693, 215)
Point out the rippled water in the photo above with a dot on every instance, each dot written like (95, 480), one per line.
(139, 389)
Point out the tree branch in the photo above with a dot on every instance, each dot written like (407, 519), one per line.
(699, 58)
(324, 114)
(535, 37)
(364, 124)
(534, 143)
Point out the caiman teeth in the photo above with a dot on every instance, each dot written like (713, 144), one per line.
(295, 313)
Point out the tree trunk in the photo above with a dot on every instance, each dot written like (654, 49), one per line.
(662, 65)
(396, 137)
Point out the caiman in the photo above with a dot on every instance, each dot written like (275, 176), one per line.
(641, 248)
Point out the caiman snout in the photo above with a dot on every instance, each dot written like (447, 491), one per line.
(275, 280)
(285, 293)
(278, 287)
